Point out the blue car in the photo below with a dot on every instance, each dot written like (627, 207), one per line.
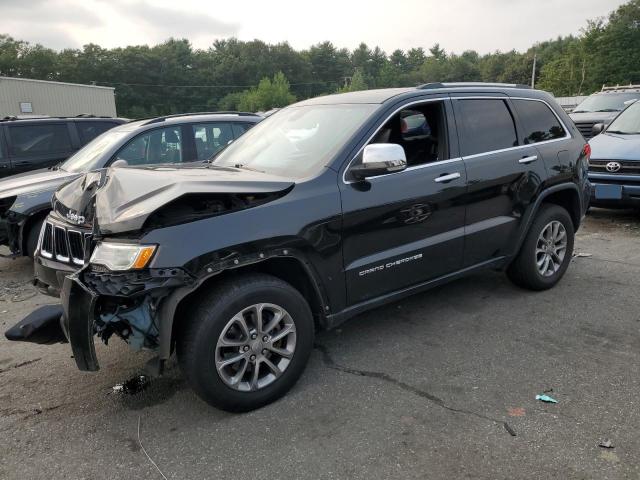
(614, 167)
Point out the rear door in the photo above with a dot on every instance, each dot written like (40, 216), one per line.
(88, 130)
(504, 176)
(402, 229)
(38, 145)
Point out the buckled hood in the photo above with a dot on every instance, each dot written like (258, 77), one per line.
(121, 199)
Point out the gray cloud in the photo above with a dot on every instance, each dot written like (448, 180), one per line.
(177, 23)
(47, 12)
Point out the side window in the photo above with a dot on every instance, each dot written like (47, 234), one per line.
(210, 138)
(538, 121)
(420, 131)
(240, 128)
(487, 125)
(163, 145)
(39, 139)
(90, 130)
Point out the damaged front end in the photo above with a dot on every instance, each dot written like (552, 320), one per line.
(128, 305)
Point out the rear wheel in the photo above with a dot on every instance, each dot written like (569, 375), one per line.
(247, 343)
(546, 252)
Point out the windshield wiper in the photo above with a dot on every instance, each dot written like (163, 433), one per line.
(608, 110)
(580, 111)
(621, 133)
(244, 167)
(57, 166)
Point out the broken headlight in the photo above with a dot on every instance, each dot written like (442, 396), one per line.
(122, 256)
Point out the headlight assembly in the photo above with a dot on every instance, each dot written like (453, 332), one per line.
(122, 256)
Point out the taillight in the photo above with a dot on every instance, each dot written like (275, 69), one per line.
(586, 151)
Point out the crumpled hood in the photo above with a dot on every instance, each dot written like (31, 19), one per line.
(125, 197)
(611, 146)
(34, 182)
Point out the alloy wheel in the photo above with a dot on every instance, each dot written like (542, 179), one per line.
(551, 248)
(255, 347)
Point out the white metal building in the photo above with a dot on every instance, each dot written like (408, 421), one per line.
(27, 97)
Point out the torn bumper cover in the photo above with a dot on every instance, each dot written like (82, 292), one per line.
(129, 305)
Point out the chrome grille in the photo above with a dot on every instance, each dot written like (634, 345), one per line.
(627, 167)
(585, 129)
(63, 244)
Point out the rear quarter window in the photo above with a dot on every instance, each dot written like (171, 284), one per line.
(538, 121)
(39, 139)
(487, 126)
(90, 130)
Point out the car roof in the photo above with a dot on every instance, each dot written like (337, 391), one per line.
(45, 119)
(245, 117)
(380, 96)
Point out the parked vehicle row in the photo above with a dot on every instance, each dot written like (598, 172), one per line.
(232, 255)
(325, 209)
(25, 200)
(602, 107)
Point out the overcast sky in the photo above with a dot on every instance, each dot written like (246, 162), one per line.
(458, 25)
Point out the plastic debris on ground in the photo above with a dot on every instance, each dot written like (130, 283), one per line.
(606, 444)
(132, 386)
(546, 399)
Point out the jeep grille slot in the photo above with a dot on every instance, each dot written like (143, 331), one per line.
(76, 246)
(46, 248)
(60, 243)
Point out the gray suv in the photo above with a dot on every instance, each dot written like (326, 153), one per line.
(25, 200)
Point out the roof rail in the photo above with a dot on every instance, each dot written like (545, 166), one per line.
(222, 112)
(619, 87)
(434, 85)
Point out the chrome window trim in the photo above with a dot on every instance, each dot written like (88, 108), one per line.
(416, 167)
(443, 99)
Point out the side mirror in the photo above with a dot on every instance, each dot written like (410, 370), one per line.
(597, 129)
(380, 159)
(120, 162)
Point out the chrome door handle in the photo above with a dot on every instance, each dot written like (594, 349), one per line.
(447, 178)
(530, 159)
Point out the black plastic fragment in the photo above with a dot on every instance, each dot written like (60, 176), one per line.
(40, 326)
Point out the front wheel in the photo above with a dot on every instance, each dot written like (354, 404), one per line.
(546, 252)
(247, 343)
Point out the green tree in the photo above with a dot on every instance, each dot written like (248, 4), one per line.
(357, 83)
(270, 93)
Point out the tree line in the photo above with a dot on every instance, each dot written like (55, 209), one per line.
(173, 77)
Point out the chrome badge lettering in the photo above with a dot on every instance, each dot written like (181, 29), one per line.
(384, 266)
(75, 218)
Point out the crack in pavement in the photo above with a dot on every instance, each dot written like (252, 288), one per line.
(330, 363)
(18, 365)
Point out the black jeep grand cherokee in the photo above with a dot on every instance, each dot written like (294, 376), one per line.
(327, 208)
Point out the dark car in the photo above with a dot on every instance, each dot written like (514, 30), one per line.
(327, 208)
(614, 168)
(25, 200)
(602, 107)
(31, 143)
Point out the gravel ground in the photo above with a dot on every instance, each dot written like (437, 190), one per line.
(441, 385)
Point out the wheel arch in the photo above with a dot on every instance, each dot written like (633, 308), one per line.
(27, 224)
(566, 195)
(292, 269)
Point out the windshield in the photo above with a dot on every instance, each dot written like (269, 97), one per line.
(607, 102)
(296, 141)
(90, 156)
(628, 122)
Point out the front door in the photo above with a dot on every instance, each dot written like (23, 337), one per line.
(405, 228)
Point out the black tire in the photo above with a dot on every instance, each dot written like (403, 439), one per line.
(523, 271)
(197, 339)
(32, 235)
